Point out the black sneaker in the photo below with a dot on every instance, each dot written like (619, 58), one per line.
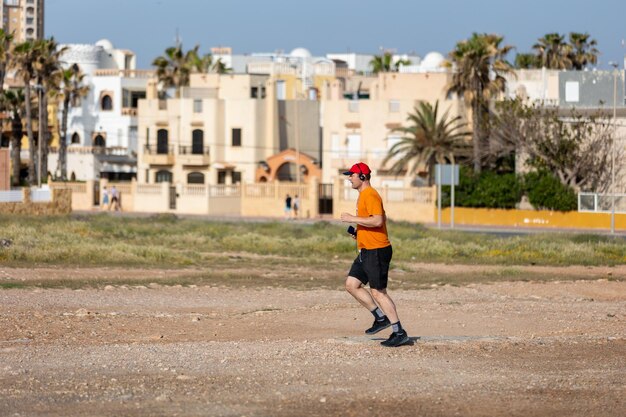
(396, 339)
(378, 326)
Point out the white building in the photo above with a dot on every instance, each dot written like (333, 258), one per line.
(102, 133)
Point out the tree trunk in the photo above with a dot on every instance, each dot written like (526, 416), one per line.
(45, 145)
(63, 140)
(16, 148)
(29, 131)
(476, 135)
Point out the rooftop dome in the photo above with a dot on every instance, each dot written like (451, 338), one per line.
(433, 61)
(300, 53)
(105, 44)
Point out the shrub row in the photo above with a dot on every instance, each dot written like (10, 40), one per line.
(504, 191)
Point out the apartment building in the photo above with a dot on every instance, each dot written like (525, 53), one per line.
(102, 132)
(298, 74)
(360, 128)
(23, 18)
(222, 128)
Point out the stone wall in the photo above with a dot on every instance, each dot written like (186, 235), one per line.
(61, 204)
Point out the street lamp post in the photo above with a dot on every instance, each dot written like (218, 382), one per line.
(40, 132)
(614, 65)
(297, 144)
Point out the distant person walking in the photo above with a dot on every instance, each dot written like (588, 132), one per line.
(371, 266)
(115, 199)
(105, 198)
(296, 206)
(287, 207)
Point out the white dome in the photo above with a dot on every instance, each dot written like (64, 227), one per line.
(300, 53)
(105, 44)
(433, 61)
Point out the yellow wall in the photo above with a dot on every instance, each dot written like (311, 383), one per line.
(532, 218)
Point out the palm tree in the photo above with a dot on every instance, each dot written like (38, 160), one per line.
(427, 140)
(174, 67)
(526, 61)
(220, 67)
(202, 64)
(14, 103)
(382, 63)
(24, 60)
(48, 74)
(72, 89)
(479, 69)
(583, 50)
(553, 52)
(6, 41)
(400, 62)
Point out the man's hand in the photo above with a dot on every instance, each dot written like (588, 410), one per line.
(347, 218)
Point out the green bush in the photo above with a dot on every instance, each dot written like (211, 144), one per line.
(487, 189)
(545, 191)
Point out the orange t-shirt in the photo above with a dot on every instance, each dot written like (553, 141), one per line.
(370, 204)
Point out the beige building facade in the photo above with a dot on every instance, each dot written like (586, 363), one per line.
(23, 18)
(362, 129)
(221, 128)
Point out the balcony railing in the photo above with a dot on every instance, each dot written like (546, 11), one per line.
(95, 150)
(129, 111)
(124, 73)
(193, 150)
(158, 150)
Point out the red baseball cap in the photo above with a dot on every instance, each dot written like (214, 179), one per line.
(359, 168)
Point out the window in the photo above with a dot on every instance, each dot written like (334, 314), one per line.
(254, 92)
(106, 103)
(236, 137)
(221, 177)
(163, 176)
(195, 178)
(131, 98)
(354, 146)
(75, 138)
(99, 141)
(394, 106)
(236, 177)
(335, 146)
(197, 106)
(281, 90)
(392, 140)
(571, 91)
(197, 142)
(162, 141)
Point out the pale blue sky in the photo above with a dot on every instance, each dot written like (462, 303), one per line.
(147, 27)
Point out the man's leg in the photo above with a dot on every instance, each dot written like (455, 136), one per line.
(386, 304)
(363, 296)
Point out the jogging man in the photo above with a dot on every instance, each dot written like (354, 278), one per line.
(371, 266)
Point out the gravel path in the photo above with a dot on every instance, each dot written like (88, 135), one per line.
(504, 349)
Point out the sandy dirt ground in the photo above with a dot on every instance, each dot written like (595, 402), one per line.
(501, 349)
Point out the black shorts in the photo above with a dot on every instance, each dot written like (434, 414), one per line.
(371, 267)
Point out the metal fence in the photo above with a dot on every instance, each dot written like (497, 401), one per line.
(40, 195)
(601, 203)
(37, 195)
(12, 196)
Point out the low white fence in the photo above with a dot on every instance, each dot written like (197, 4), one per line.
(601, 203)
(12, 196)
(37, 195)
(40, 195)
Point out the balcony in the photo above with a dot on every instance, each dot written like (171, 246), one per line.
(158, 155)
(125, 73)
(193, 156)
(129, 111)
